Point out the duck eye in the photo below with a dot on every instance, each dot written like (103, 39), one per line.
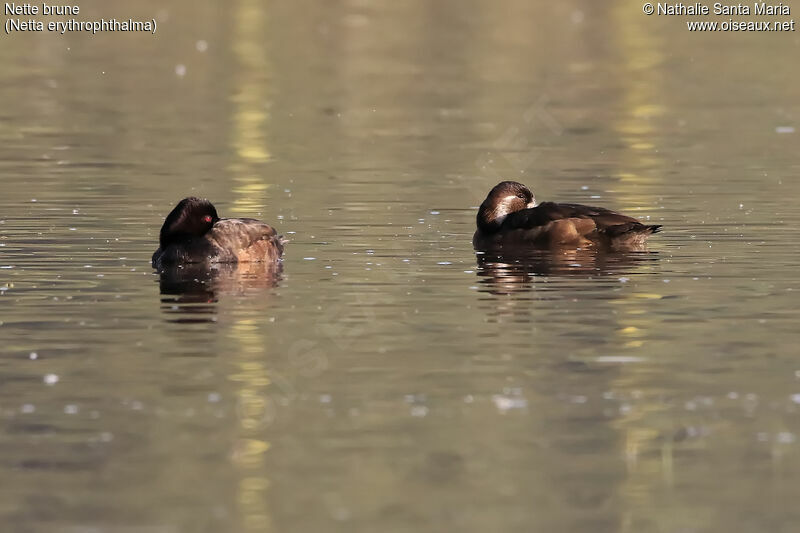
(207, 218)
(521, 196)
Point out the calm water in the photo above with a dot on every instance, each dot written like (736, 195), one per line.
(389, 379)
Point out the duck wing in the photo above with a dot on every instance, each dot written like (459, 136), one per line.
(245, 240)
(562, 223)
(548, 212)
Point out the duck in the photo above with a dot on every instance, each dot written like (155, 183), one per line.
(193, 233)
(510, 218)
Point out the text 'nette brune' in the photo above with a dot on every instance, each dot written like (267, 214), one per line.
(12, 8)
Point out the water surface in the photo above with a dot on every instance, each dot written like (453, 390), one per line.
(388, 379)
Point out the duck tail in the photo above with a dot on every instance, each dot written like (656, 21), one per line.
(654, 228)
(631, 236)
(631, 228)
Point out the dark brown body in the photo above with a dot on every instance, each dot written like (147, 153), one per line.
(509, 218)
(192, 234)
(231, 240)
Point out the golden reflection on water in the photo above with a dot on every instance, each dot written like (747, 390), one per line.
(253, 413)
(249, 141)
(251, 107)
(637, 127)
(641, 51)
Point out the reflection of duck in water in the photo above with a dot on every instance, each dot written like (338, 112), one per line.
(201, 256)
(509, 218)
(193, 233)
(195, 289)
(514, 271)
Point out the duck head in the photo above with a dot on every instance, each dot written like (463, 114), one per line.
(506, 197)
(191, 218)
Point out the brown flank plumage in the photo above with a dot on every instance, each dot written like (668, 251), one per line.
(193, 233)
(510, 217)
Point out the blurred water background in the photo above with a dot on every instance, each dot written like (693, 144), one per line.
(390, 379)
